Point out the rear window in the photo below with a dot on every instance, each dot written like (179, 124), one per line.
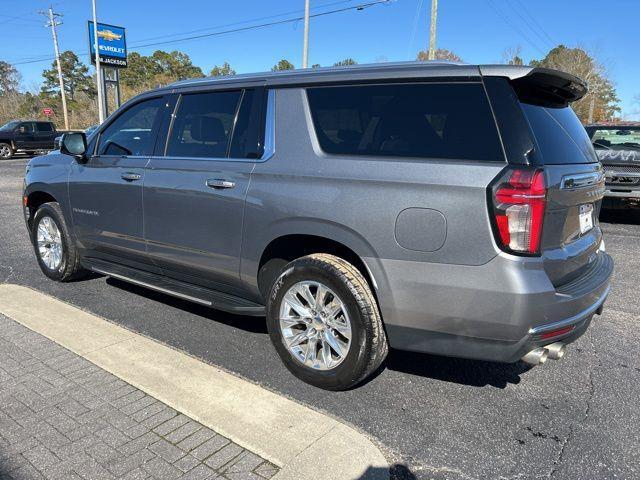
(446, 121)
(560, 136)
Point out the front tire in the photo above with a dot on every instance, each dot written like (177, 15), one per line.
(6, 152)
(55, 249)
(324, 322)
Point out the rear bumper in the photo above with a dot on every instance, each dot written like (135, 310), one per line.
(496, 311)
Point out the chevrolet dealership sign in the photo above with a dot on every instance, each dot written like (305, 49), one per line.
(112, 45)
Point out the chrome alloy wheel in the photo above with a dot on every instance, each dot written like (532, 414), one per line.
(315, 325)
(49, 243)
(5, 151)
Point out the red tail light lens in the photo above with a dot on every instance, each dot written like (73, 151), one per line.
(519, 200)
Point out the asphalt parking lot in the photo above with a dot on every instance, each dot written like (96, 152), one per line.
(435, 418)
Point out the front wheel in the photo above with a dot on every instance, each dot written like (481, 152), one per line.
(324, 322)
(55, 250)
(6, 152)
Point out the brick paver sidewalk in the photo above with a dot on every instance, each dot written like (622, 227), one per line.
(62, 417)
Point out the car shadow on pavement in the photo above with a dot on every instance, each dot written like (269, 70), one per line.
(249, 324)
(455, 370)
(627, 216)
(474, 373)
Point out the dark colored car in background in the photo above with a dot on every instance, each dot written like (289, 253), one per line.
(618, 149)
(27, 136)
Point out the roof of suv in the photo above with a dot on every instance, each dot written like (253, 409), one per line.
(379, 71)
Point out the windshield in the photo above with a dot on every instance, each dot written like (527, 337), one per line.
(624, 138)
(9, 126)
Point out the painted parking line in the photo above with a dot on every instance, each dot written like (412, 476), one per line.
(304, 443)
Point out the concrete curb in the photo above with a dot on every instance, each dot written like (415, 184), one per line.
(304, 443)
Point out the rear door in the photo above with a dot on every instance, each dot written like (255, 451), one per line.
(195, 187)
(106, 191)
(44, 135)
(575, 180)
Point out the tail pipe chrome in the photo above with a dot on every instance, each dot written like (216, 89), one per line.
(537, 356)
(556, 350)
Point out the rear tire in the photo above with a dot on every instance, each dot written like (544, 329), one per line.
(305, 336)
(55, 249)
(6, 151)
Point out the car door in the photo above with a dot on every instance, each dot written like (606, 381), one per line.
(43, 135)
(195, 191)
(24, 136)
(106, 191)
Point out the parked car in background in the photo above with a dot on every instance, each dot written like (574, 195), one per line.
(440, 208)
(618, 149)
(28, 136)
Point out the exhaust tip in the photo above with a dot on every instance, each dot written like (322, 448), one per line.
(536, 357)
(556, 350)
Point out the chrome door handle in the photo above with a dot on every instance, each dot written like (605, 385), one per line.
(220, 183)
(130, 176)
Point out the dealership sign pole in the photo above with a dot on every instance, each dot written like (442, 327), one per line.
(108, 46)
(97, 60)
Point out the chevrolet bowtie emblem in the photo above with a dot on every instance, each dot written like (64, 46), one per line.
(109, 35)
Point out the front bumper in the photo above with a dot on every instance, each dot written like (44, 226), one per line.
(495, 312)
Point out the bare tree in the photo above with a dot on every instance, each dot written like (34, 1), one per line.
(512, 55)
(441, 54)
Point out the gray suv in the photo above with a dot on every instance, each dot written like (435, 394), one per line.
(439, 208)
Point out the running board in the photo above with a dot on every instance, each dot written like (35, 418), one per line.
(192, 293)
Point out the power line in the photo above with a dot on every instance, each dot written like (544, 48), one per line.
(361, 6)
(544, 32)
(415, 27)
(528, 24)
(243, 22)
(506, 19)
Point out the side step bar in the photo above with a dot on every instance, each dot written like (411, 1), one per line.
(210, 298)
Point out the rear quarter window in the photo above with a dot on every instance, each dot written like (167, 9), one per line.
(559, 135)
(44, 127)
(438, 120)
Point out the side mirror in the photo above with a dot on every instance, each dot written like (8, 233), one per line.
(74, 144)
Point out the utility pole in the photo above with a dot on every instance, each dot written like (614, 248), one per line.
(432, 30)
(305, 48)
(98, 68)
(53, 23)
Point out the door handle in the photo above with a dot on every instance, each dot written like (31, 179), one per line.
(220, 183)
(131, 177)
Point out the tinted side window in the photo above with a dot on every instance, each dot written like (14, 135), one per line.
(451, 121)
(559, 134)
(132, 132)
(27, 127)
(203, 125)
(44, 127)
(247, 141)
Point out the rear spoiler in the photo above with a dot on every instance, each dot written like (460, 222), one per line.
(540, 86)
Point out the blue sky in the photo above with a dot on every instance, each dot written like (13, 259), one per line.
(477, 30)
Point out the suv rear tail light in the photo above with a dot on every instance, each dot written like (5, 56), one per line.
(518, 200)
